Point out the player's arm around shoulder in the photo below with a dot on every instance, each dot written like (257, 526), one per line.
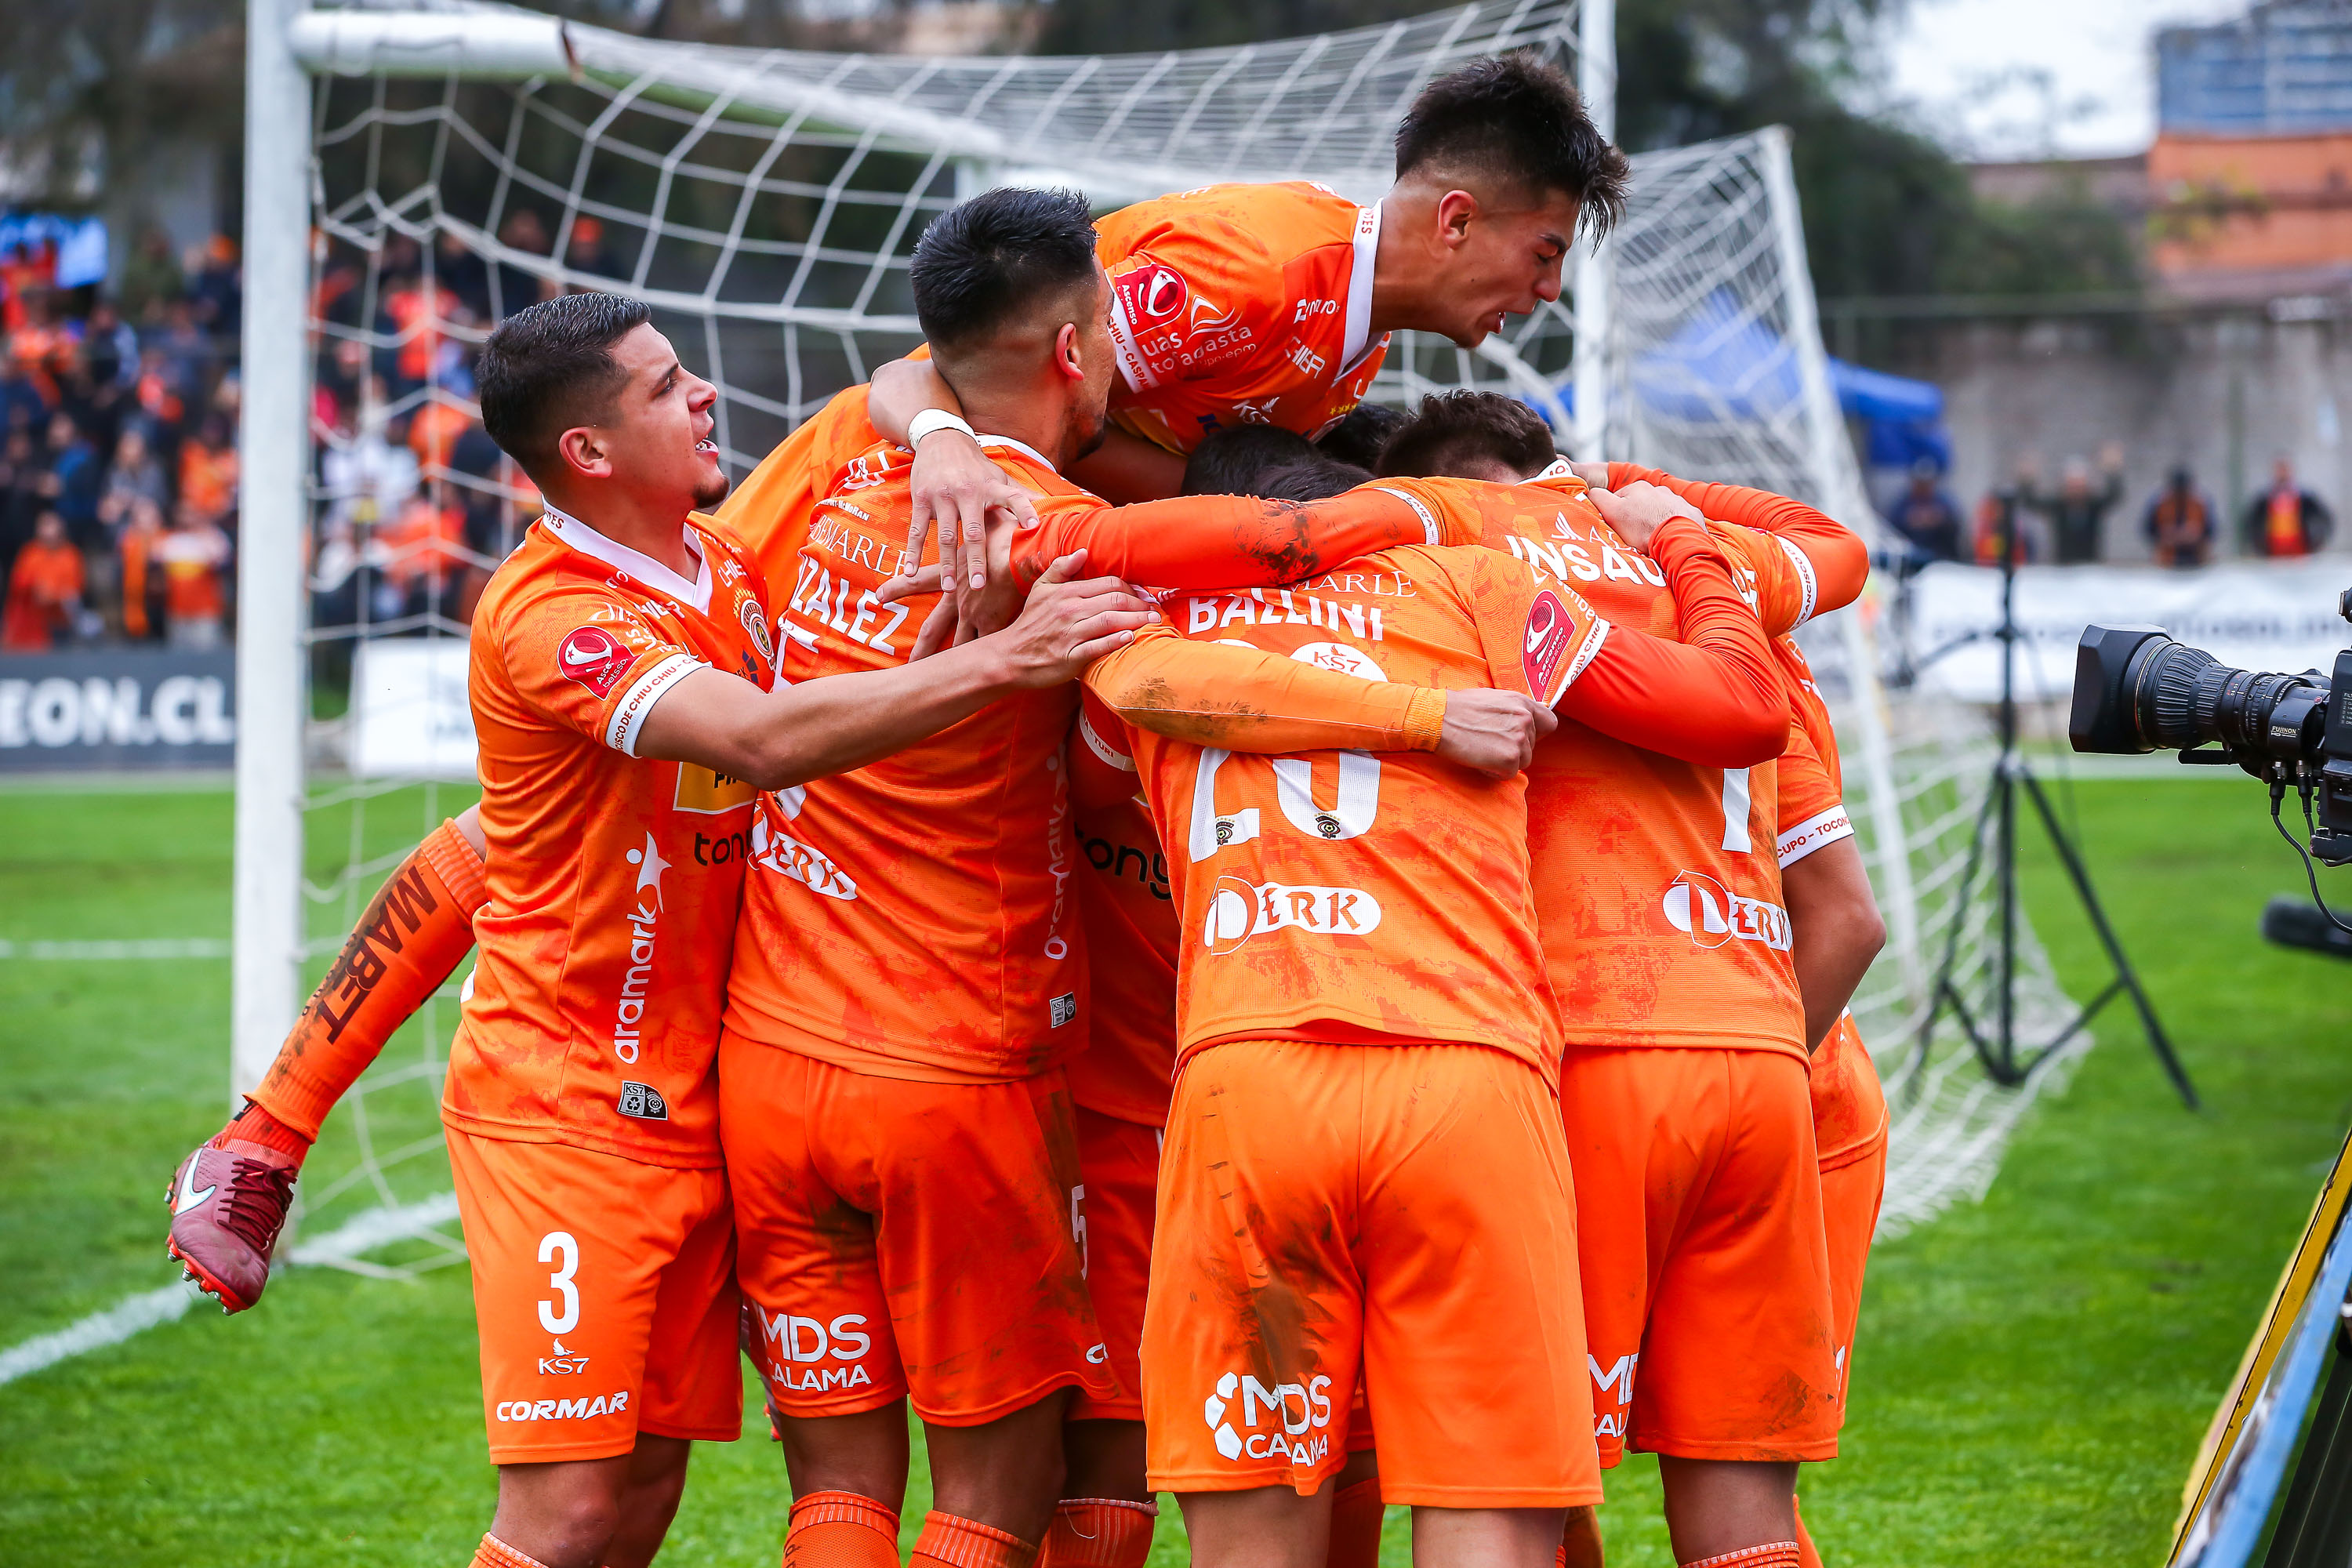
(1243, 698)
(838, 722)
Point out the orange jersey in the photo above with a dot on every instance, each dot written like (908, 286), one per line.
(1241, 305)
(614, 882)
(914, 918)
(1850, 1115)
(1129, 906)
(1344, 896)
(1663, 921)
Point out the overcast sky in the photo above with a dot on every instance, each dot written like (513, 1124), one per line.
(2024, 79)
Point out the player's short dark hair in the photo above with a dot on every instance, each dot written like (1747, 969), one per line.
(1517, 119)
(1359, 437)
(550, 367)
(984, 263)
(1269, 461)
(1453, 429)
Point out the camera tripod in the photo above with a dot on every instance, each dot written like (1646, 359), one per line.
(1995, 1039)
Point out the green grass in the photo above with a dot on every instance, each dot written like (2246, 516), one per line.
(2032, 1374)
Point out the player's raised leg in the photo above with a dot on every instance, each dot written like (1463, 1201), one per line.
(230, 1195)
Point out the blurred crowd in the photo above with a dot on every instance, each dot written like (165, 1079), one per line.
(2066, 522)
(119, 462)
(118, 449)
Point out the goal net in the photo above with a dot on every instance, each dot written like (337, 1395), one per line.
(467, 159)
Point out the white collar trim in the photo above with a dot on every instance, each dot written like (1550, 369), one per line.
(1559, 469)
(1022, 447)
(579, 536)
(1360, 286)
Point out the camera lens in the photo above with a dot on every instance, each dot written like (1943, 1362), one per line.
(2187, 698)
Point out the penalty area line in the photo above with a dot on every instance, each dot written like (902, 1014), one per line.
(137, 1313)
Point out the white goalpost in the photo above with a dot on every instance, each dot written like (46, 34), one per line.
(415, 173)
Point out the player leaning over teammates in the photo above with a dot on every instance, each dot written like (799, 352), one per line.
(619, 683)
(1271, 305)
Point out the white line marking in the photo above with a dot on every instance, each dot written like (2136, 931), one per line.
(151, 947)
(137, 1313)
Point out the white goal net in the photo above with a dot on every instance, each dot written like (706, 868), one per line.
(466, 160)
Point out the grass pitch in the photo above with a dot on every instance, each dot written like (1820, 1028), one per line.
(2032, 1377)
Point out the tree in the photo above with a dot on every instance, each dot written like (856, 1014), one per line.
(1887, 210)
(117, 78)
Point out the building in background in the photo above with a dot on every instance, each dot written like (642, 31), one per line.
(2252, 169)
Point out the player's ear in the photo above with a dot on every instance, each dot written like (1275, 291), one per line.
(582, 448)
(1066, 358)
(1457, 210)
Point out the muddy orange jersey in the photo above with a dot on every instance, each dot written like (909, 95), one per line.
(1241, 305)
(1345, 897)
(1849, 1103)
(614, 882)
(1131, 913)
(1661, 895)
(915, 918)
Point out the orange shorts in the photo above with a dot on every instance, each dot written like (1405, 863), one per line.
(1405, 1210)
(1851, 1191)
(1698, 1221)
(1119, 1162)
(907, 1239)
(604, 1293)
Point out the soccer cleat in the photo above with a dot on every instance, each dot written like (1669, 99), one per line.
(228, 1204)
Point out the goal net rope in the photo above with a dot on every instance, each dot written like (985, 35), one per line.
(468, 158)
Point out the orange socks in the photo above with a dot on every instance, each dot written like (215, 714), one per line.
(948, 1541)
(1100, 1532)
(1808, 1554)
(1777, 1555)
(254, 1125)
(496, 1553)
(417, 931)
(841, 1529)
(1356, 1525)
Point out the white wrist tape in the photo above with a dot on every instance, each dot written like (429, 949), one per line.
(930, 421)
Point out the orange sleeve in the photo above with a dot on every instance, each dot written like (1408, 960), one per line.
(1217, 694)
(1715, 698)
(1837, 562)
(1223, 542)
(1102, 755)
(411, 940)
(587, 661)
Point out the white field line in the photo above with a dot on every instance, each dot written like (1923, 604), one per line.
(148, 948)
(136, 1313)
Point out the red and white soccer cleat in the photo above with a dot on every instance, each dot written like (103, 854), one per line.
(228, 1204)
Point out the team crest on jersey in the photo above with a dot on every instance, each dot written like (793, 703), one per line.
(1153, 293)
(594, 657)
(755, 627)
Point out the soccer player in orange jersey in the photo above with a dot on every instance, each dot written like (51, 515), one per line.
(619, 684)
(1272, 304)
(1837, 930)
(1685, 1091)
(1366, 1043)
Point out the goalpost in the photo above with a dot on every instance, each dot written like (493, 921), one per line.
(765, 203)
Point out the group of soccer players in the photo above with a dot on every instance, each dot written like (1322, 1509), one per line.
(1300, 1035)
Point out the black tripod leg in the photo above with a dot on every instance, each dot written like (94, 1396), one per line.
(1943, 988)
(2082, 879)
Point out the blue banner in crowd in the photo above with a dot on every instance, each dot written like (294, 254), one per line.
(117, 711)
